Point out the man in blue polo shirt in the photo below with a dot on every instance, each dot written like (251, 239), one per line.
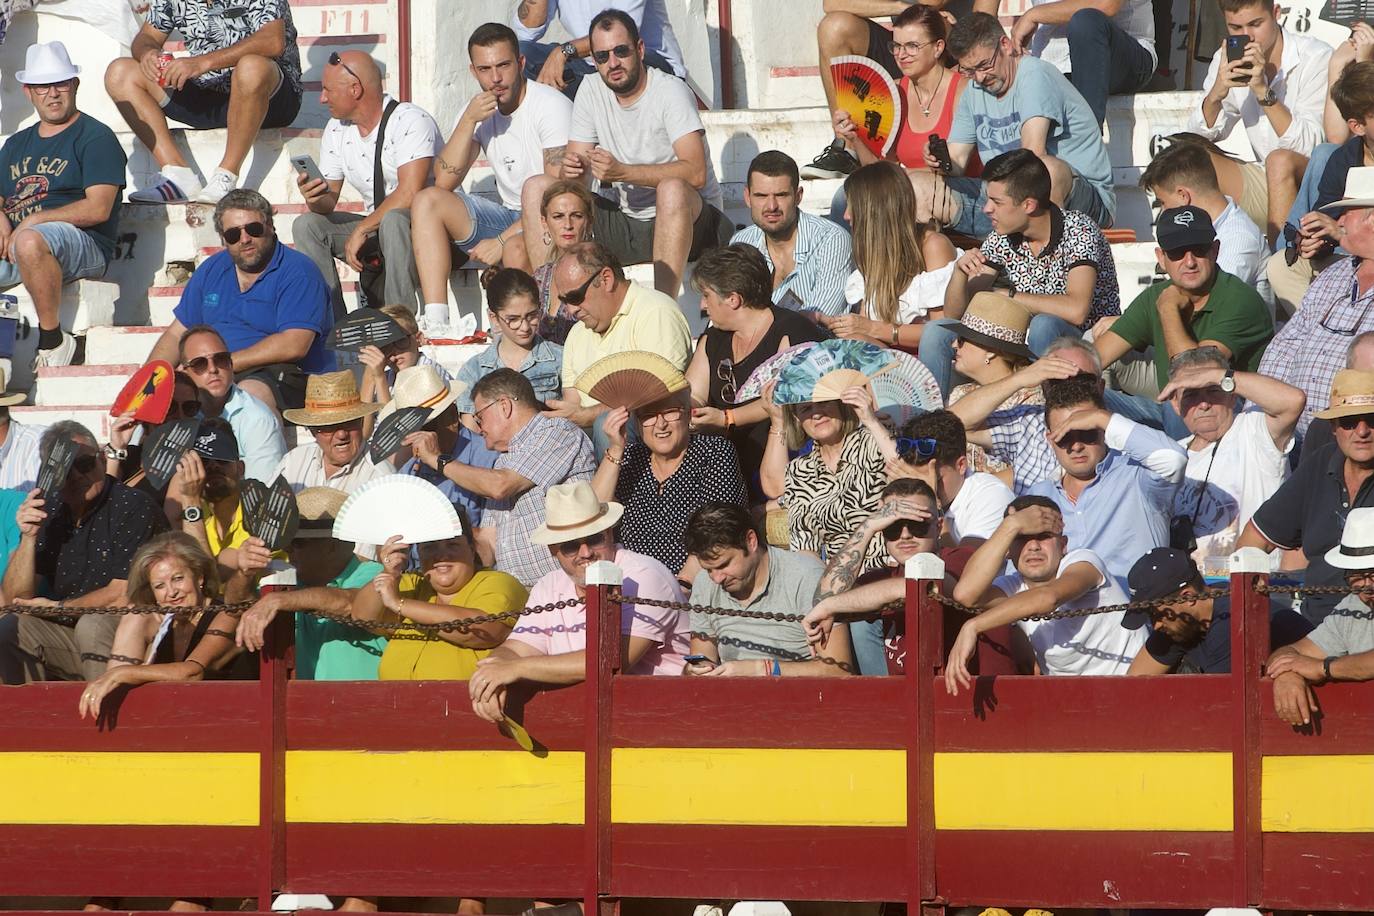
(268, 302)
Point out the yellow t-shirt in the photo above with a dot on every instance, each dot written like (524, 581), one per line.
(234, 537)
(410, 658)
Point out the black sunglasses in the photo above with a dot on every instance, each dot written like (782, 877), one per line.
(85, 463)
(568, 548)
(916, 451)
(187, 408)
(255, 229)
(1349, 423)
(917, 529)
(336, 61)
(620, 51)
(222, 360)
(576, 297)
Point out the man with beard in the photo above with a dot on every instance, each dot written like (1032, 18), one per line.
(59, 182)
(203, 499)
(637, 129)
(809, 256)
(206, 361)
(521, 129)
(268, 303)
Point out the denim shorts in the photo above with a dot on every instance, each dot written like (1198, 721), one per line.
(75, 249)
(489, 219)
(971, 195)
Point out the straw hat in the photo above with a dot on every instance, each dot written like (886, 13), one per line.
(1356, 549)
(1359, 190)
(572, 511)
(330, 398)
(1352, 393)
(318, 506)
(421, 386)
(996, 322)
(8, 397)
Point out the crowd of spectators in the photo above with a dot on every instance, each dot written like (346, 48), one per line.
(1094, 444)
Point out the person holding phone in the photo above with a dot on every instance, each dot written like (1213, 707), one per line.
(1273, 82)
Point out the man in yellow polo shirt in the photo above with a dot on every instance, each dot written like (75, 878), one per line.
(614, 315)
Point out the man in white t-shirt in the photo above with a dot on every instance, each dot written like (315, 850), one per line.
(1048, 577)
(1236, 458)
(637, 129)
(521, 128)
(352, 90)
(1101, 53)
(934, 448)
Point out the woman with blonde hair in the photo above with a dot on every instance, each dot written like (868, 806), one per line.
(565, 212)
(902, 266)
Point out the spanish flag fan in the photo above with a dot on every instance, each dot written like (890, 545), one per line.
(868, 94)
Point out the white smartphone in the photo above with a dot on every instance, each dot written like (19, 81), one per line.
(307, 167)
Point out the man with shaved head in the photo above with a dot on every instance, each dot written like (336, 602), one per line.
(242, 71)
(351, 88)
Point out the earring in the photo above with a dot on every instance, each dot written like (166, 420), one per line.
(548, 239)
(987, 360)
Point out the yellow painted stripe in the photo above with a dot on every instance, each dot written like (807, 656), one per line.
(434, 787)
(832, 788)
(1318, 794)
(1125, 791)
(213, 790)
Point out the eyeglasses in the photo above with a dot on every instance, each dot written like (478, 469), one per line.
(336, 61)
(1349, 423)
(1198, 251)
(1359, 322)
(575, 297)
(916, 451)
(985, 67)
(907, 48)
(668, 415)
(894, 531)
(186, 408)
(84, 463)
(46, 89)
(568, 548)
(347, 426)
(477, 414)
(725, 372)
(256, 229)
(519, 321)
(621, 51)
(201, 364)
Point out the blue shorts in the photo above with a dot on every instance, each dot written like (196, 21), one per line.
(489, 219)
(971, 195)
(75, 249)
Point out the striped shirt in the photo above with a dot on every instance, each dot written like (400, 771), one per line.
(823, 257)
(19, 456)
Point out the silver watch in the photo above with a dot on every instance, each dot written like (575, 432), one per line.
(192, 514)
(115, 454)
(569, 50)
(1228, 381)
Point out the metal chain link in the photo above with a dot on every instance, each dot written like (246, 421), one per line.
(1163, 605)
(616, 595)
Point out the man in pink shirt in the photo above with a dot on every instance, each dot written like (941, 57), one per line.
(550, 647)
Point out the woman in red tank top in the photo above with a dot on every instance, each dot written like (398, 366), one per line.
(931, 89)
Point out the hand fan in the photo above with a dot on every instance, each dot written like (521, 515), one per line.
(148, 393)
(631, 379)
(392, 429)
(252, 497)
(55, 468)
(767, 371)
(800, 375)
(364, 327)
(277, 519)
(170, 442)
(516, 732)
(397, 504)
(872, 99)
(905, 389)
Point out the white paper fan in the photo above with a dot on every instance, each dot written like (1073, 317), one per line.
(397, 504)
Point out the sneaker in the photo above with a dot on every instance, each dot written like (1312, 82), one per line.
(834, 162)
(60, 355)
(176, 185)
(220, 183)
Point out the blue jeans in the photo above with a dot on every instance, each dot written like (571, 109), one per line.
(489, 218)
(1306, 200)
(536, 53)
(867, 639)
(75, 250)
(1104, 60)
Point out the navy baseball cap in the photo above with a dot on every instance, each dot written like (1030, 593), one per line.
(216, 441)
(1162, 572)
(1184, 227)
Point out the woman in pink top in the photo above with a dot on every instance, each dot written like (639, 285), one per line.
(550, 647)
(931, 90)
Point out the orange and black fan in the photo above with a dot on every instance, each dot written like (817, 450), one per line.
(872, 99)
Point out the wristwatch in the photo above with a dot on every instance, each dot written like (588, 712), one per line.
(1326, 666)
(1228, 381)
(115, 454)
(441, 463)
(569, 50)
(1268, 100)
(192, 514)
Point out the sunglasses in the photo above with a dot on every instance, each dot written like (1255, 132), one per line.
(186, 408)
(916, 529)
(916, 451)
(725, 372)
(569, 548)
(255, 229)
(336, 61)
(577, 296)
(1201, 250)
(621, 51)
(84, 463)
(1349, 423)
(200, 364)
(1076, 436)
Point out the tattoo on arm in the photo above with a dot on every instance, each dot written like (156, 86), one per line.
(845, 567)
(554, 155)
(444, 165)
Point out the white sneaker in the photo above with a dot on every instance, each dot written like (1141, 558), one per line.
(176, 184)
(220, 183)
(60, 355)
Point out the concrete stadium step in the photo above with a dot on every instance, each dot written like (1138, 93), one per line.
(81, 384)
(95, 417)
(85, 304)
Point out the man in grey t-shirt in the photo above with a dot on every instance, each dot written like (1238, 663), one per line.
(637, 130)
(739, 571)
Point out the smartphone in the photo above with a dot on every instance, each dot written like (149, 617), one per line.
(698, 660)
(1235, 47)
(307, 167)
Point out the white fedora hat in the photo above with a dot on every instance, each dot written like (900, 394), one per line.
(421, 386)
(1359, 190)
(1356, 549)
(47, 63)
(572, 511)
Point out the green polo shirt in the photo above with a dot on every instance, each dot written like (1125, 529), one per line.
(329, 651)
(1234, 314)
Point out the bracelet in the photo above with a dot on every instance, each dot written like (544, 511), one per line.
(766, 668)
(894, 333)
(729, 419)
(613, 459)
(777, 668)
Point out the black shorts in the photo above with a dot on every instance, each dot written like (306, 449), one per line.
(206, 109)
(879, 37)
(632, 239)
(286, 381)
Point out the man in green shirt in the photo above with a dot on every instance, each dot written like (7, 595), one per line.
(328, 573)
(1199, 305)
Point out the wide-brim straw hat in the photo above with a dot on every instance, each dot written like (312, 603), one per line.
(331, 397)
(421, 386)
(8, 397)
(996, 322)
(1359, 190)
(572, 511)
(318, 507)
(1352, 393)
